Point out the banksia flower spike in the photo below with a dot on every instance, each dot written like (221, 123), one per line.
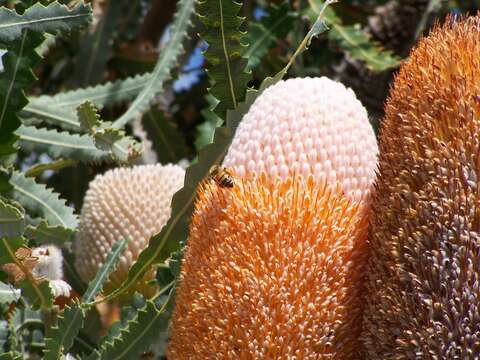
(424, 272)
(124, 203)
(274, 265)
(307, 126)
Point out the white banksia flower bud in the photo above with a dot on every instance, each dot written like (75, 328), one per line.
(124, 203)
(307, 126)
(49, 266)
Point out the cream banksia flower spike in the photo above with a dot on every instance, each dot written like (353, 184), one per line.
(274, 265)
(424, 273)
(124, 203)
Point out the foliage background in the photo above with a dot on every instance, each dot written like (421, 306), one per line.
(142, 70)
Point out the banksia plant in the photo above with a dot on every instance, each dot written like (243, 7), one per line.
(424, 273)
(274, 266)
(124, 203)
(307, 126)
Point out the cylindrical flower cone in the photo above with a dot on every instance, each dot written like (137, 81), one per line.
(273, 270)
(274, 266)
(424, 273)
(124, 203)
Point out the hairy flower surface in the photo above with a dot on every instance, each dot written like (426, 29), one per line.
(272, 270)
(123, 203)
(424, 273)
(307, 126)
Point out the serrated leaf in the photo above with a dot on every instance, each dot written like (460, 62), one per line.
(88, 117)
(37, 199)
(227, 65)
(168, 142)
(52, 18)
(8, 293)
(263, 34)
(46, 234)
(61, 144)
(38, 293)
(17, 75)
(62, 335)
(354, 41)
(96, 48)
(12, 219)
(167, 60)
(138, 334)
(101, 95)
(38, 112)
(122, 147)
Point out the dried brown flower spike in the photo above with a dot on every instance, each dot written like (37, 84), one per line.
(424, 273)
(272, 271)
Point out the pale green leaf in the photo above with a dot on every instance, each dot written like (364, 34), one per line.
(36, 198)
(8, 293)
(46, 234)
(167, 60)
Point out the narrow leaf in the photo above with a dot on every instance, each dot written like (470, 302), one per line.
(263, 34)
(17, 76)
(61, 144)
(57, 165)
(166, 61)
(12, 219)
(101, 95)
(138, 334)
(52, 18)
(168, 142)
(226, 69)
(354, 41)
(62, 335)
(37, 199)
(96, 48)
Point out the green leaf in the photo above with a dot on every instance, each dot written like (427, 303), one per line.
(95, 286)
(61, 144)
(166, 61)
(354, 41)
(37, 199)
(358, 45)
(8, 293)
(17, 75)
(46, 234)
(52, 19)
(122, 147)
(39, 112)
(227, 66)
(12, 219)
(96, 48)
(101, 95)
(139, 333)
(262, 35)
(206, 129)
(168, 142)
(62, 335)
(8, 246)
(57, 165)
(10, 356)
(38, 293)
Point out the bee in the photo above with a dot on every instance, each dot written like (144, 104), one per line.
(221, 176)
